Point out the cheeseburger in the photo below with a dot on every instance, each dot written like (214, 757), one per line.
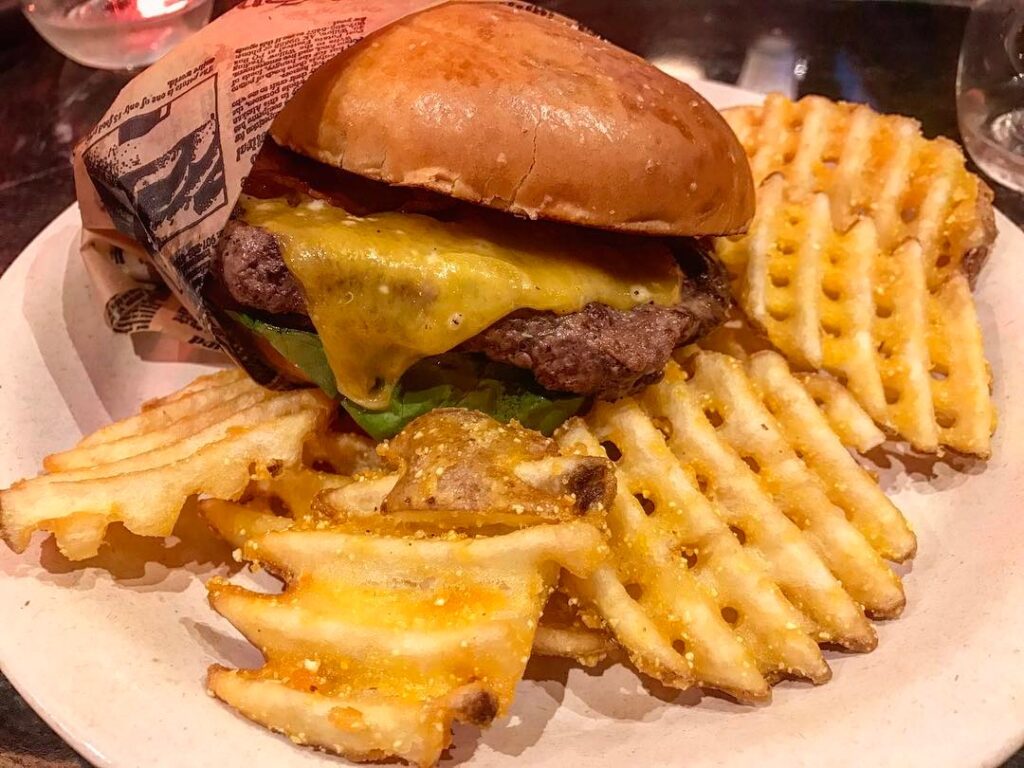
(480, 192)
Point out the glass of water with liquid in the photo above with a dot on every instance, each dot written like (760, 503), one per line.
(990, 89)
(116, 34)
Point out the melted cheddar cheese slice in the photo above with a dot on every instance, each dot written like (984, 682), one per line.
(389, 289)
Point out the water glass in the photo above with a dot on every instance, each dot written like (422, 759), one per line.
(990, 89)
(116, 34)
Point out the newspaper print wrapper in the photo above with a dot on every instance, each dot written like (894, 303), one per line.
(133, 297)
(157, 178)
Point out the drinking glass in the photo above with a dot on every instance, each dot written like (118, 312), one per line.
(990, 89)
(116, 34)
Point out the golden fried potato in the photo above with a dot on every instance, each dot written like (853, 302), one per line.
(743, 533)
(457, 459)
(455, 469)
(845, 483)
(564, 632)
(141, 471)
(743, 422)
(752, 513)
(877, 167)
(202, 394)
(378, 644)
(961, 379)
(682, 566)
(850, 422)
(858, 260)
(847, 418)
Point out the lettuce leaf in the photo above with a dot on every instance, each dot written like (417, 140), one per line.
(451, 380)
(300, 347)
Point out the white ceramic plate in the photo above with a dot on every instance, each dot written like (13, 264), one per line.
(115, 663)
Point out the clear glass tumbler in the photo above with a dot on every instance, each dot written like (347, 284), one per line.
(116, 34)
(990, 89)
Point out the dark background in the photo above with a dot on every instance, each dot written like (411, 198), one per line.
(899, 57)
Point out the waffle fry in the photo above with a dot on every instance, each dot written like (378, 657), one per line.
(846, 484)
(690, 602)
(587, 647)
(682, 566)
(960, 375)
(140, 472)
(751, 466)
(221, 416)
(298, 486)
(873, 166)
(794, 560)
(203, 393)
(378, 644)
(524, 484)
(564, 632)
(868, 288)
(208, 382)
(560, 631)
(748, 427)
(851, 423)
(649, 648)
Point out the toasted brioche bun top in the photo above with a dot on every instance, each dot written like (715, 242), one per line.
(513, 110)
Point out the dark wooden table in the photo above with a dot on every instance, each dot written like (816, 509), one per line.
(899, 57)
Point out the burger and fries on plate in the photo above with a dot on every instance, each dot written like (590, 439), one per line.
(607, 364)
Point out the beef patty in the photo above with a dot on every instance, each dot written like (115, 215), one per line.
(596, 351)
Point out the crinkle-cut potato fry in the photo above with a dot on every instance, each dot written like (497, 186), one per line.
(728, 397)
(794, 560)
(210, 381)
(858, 262)
(378, 644)
(873, 166)
(846, 483)
(672, 547)
(218, 388)
(222, 416)
(146, 490)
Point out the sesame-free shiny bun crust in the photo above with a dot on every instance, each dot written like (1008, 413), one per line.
(527, 114)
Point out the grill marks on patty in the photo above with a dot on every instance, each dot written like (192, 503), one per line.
(596, 351)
